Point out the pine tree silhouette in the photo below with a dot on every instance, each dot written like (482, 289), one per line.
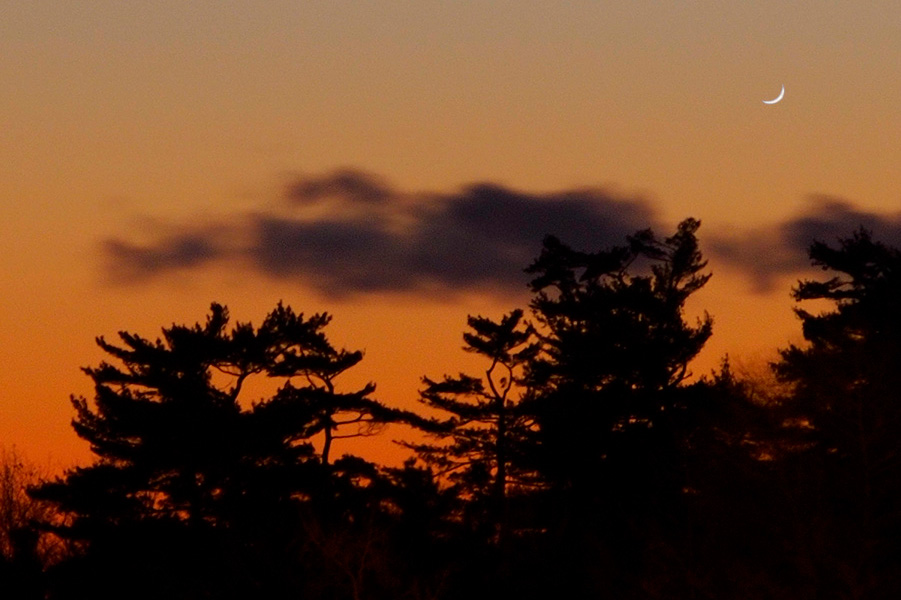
(196, 492)
(487, 428)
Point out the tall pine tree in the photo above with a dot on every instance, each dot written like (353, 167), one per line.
(846, 382)
(483, 440)
(609, 399)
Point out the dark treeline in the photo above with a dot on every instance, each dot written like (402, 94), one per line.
(582, 461)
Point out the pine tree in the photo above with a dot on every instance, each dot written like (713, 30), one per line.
(846, 382)
(615, 341)
(609, 400)
(192, 482)
(487, 430)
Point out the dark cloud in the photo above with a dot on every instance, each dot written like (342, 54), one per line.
(342, 184)
(338, 258)
(766, 255)
(379, 239)
(349, 232)
(131, 262)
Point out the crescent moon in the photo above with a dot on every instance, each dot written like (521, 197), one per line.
(778, 98)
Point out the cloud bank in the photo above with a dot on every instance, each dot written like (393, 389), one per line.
(350, 232)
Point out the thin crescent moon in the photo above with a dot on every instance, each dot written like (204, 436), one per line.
(778, 98)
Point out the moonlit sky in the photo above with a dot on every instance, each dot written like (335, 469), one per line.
(397, 163)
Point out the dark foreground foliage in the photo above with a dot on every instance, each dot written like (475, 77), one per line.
(582, 462)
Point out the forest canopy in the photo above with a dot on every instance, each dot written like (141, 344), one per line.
(581, 459)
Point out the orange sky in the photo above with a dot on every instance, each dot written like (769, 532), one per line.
(124, 122)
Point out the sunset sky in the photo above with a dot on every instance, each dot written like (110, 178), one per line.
(397, 164)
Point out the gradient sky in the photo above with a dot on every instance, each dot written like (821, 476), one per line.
(396, 163)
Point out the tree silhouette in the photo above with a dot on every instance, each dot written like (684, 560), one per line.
(190, 479)
(608, 400)
(846, 381)
(24, 549)
(737, 527)
(615, 341)
(584, 460)
(487, 428)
